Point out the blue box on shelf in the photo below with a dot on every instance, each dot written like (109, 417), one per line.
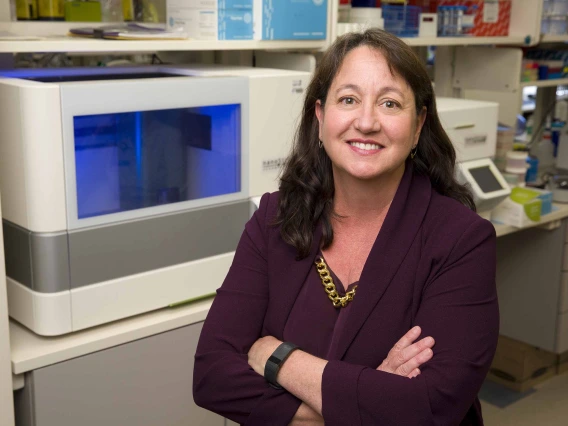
(290, 19)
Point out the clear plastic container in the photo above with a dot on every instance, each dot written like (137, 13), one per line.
(557, 25)
(545, 25)
(452, 21)
(111, 10)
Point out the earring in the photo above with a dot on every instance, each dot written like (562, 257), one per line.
(320, 144)
(413, 152)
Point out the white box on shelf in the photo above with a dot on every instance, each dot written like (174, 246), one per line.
(212, 19)
(428, 25)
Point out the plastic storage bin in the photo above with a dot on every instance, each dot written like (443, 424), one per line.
(559, 7)
(454, 21)
(403, 21)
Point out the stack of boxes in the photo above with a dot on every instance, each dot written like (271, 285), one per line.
(249, 19)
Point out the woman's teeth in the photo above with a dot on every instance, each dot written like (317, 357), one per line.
(366, 146)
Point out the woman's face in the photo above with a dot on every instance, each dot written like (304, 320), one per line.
(368, 124)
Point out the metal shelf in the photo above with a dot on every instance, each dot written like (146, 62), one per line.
(463, 41)
(71, 44)
(553, 38)
(546, 83)
(51, 37)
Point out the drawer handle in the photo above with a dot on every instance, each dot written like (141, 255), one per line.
(464, 126)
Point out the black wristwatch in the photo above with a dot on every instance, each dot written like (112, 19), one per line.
(275, 362)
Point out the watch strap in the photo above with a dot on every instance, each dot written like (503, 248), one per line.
(275, 362)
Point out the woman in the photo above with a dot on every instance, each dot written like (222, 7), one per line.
(368, 206)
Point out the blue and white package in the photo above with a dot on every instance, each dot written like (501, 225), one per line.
(212, 19)
(290, 19)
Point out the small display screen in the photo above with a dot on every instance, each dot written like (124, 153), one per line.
(486, 179)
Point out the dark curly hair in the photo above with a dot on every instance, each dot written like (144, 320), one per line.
(306, 183)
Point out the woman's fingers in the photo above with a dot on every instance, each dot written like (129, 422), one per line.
(406, 340)
(414, 373)
(407, 369)
(405, 357)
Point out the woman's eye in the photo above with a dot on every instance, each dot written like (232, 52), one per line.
(390, 104)
(348, 101)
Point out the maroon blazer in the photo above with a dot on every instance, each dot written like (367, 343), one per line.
(432, 265)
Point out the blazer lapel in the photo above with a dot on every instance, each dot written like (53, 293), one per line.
(399, 229)
(288, 278)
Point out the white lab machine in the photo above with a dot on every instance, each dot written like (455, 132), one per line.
(472, 128)
(127, 189)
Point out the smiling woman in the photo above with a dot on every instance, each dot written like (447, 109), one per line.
(369, 123)
(363, 292)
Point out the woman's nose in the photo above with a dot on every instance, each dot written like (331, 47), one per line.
(368, 120)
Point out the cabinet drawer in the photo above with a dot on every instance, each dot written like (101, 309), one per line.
(147, 382)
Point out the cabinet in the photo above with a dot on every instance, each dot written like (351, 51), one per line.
(532, 287)
(146, 382)
(6, 412)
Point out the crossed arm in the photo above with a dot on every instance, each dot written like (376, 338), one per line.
(301, 373)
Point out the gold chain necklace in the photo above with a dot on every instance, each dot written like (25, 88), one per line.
(330, 288)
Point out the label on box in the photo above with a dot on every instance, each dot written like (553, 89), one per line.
(491, 12)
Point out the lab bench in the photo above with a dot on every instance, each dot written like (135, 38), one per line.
(138, 371)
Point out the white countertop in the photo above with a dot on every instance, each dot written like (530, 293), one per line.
(560, 211)
(30, 351)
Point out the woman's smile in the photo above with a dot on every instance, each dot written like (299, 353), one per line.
(364, 146)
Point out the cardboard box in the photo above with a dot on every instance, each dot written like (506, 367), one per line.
(520, 366)
(290, 19)
(562, 363)
(212, 19)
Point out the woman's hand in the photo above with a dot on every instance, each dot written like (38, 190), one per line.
(405, 357)
(260, 351)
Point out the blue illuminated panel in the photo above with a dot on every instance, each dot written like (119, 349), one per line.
(135, 160)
